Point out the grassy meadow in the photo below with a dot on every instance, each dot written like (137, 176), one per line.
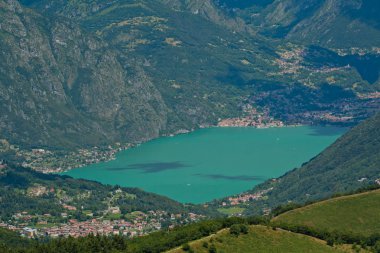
(357, 214)
(259, 239)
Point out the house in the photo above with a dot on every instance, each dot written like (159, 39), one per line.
(29, 232)
(114, 210)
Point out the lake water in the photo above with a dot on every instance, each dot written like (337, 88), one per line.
(211, 163)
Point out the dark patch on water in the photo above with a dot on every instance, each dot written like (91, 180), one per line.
(235, 178)
(327, 131)
(154, 167)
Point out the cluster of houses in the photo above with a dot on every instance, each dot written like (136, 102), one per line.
(253, 119)
(137, 225)
(46, 161)
(348, 111)
(249, 121)
(243, 198)
(75, 228)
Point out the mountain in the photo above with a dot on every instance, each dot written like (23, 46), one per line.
(112, 79)
(80, 74)
(63, 87)
(327, 23)
(352, 162)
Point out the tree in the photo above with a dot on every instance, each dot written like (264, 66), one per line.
(376, 248)
(186, 247)
(244, 229)
(212, 249)
(235, 229)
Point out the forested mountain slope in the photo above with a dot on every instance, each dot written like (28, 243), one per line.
(352, 162)
(62, 87)
(35, 193)
(328, 23)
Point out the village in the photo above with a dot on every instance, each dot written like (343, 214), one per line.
(48, 161)
(348, 112)
(138, 224)
(253, 118)
(246, 197)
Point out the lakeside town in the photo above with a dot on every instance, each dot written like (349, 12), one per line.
(48, 161)
(253, 118)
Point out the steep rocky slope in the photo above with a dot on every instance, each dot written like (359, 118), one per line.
(62, 86)
(86, 73)
(328, 23)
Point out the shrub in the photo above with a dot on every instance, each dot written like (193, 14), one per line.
(212, 249)
(235, 229)
(244, 229)
(186, 247)
(238, 229)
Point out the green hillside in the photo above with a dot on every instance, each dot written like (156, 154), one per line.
(322, 227)
(352, 219)
(10, 239)
(37, 200)
(259, 239)
(351, 163)
(356, 214)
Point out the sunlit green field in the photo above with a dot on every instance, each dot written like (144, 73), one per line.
(259, 239)
(358, 214)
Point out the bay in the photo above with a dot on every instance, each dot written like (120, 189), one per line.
(211, 163)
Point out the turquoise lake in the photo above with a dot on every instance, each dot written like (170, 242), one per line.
(212, 163)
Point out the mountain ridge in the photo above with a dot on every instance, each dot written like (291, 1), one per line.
(328, 23)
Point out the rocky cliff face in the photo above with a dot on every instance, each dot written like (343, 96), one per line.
(328, 23)
(340, 24)
(65, 87)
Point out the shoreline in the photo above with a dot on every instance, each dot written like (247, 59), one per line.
(98, 155)
(184, 132)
